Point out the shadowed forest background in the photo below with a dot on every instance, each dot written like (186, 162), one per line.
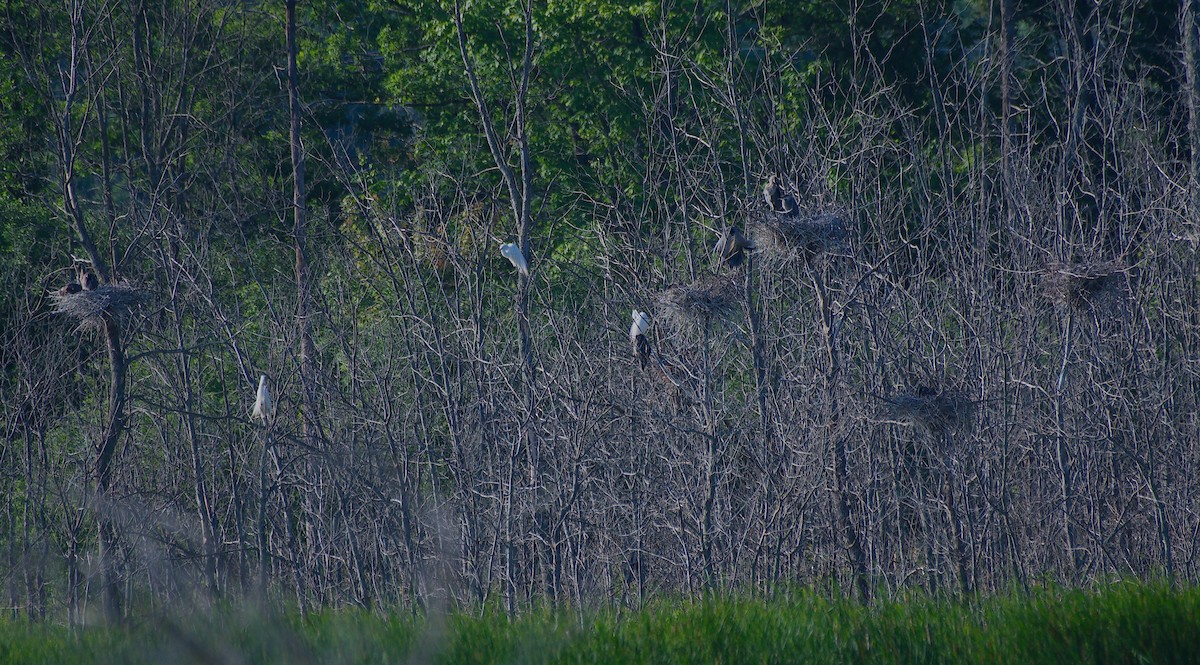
(986, 375)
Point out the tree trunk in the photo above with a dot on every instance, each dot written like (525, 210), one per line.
(837, 442)
(115, 422)
(308, 373)
(519, 184)
(1187, 26)
(1067, 495)
(104, 458)
(1006, 120)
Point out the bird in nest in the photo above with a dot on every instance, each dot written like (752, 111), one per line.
(70, 288)
(778, 199)
(88, 280)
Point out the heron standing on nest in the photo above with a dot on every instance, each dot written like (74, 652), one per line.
(732, 247)
(513, 253)
(637, 335)
(89, 281)
(264, 409)
(780, 201)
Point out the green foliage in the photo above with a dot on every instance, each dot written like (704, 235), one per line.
(1123, 622)
(26, 231)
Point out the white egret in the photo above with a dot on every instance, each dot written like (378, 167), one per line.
(637, 335)
(514, 255)
(263, 407)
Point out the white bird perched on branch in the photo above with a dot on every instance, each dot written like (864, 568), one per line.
(514, 255)
(263, 408)
(637, 335)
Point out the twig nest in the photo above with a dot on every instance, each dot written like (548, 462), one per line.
(1083, 285)
(931, 411)
(714, 297)
(788, 236)
(90, 307)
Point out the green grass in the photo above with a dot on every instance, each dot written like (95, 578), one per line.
(1120, 623)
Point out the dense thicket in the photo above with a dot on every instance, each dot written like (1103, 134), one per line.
(967, 358)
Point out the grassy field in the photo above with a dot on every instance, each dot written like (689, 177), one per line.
(1122, 623)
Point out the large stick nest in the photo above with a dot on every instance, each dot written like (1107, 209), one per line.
(709, 298)
(90, 307)
(786, 236)
(931, 411)
(1083, 285)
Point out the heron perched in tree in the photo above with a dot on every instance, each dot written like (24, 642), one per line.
(778, 199)
(514, 255)
(88, 280)
(732, 247)
(263, 407)
(637, 335)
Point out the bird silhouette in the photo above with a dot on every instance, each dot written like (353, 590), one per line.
(69, 289)
(514, 255)
(637, 335)
(732, 247)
